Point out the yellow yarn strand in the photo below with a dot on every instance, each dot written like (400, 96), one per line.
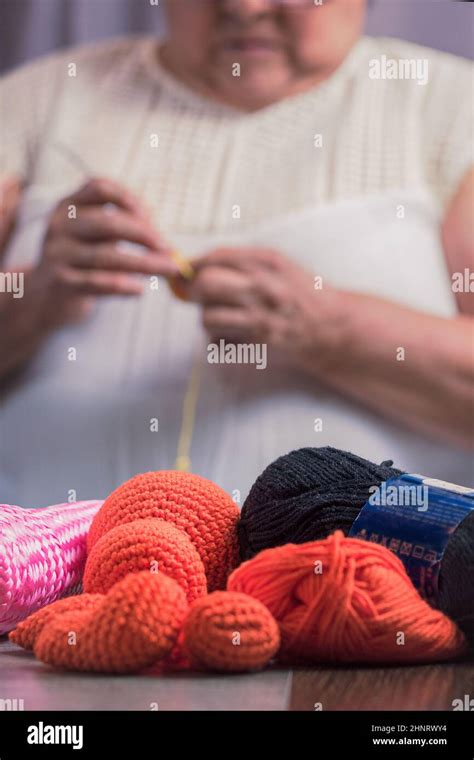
(183, 459)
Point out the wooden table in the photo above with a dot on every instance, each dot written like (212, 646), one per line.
(423, 687)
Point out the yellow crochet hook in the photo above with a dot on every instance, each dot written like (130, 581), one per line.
(185, 268)
(186, 271)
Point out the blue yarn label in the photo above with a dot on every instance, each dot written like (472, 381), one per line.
(415, 517)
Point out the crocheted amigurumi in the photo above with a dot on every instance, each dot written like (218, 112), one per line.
(176, 535)
(195, 505)
(229, 631)
(151, 545)
(132, 626)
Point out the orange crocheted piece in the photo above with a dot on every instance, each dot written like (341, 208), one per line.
(228, 631)
(135, 624)
(26, 632)
(153, 545)
(346, 600)
(205, 512)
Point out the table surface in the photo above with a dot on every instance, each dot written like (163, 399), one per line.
(419, 687)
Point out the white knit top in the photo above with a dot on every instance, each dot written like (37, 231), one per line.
(320, 175)
(376, 134)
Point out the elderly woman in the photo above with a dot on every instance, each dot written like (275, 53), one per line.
(322, 184)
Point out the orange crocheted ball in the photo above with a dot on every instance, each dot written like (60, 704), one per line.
(152, 545)
(229, 631)
(192, 503)
(136, 623)
(26, 632)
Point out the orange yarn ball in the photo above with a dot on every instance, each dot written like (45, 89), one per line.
(346, 600)
(230, 632)
(153, 545)
(26, 632)
(134, 625)
(192, 503)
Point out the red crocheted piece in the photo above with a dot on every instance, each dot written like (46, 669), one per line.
(230, 631)
(26, 632)
(128, 629)
(152, 545)
(195, 505)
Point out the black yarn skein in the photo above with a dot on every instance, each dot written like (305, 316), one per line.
(309, 493)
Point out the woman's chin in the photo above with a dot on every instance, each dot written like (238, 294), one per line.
(255, 89)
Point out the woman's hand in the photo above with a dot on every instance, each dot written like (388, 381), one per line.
(10, 193)
(84, 256)
(352, 342)
(86, 251)
(258, 295)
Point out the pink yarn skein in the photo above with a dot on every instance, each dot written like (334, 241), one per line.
(42, 556)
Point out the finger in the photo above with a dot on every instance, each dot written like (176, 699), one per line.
(96, 282)
(235, 322)
(101, 190)
(222, 286)
(218, 285)
(94, 223)
(222, 257)
(111, 257)
(242, 259)
(10, 194)
(274, 290)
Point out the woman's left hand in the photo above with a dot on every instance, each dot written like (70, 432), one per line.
(257, 295)
(10, 195)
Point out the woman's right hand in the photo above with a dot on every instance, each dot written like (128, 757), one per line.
(85, 256)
